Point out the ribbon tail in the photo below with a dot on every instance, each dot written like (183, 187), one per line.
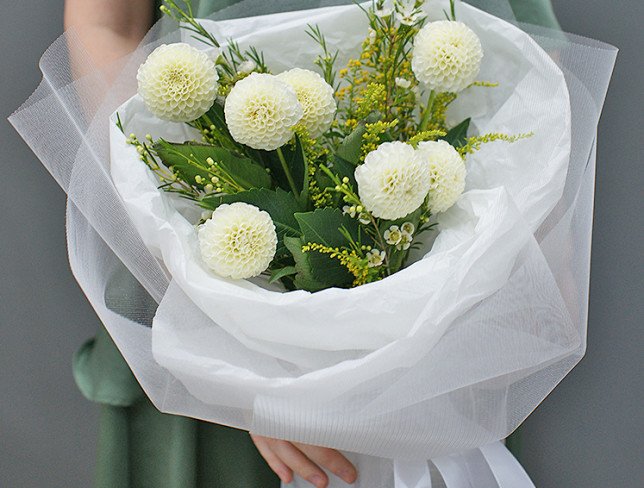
(491, 466)
(506, 469)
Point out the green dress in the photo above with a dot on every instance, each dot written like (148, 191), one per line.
(138, 446)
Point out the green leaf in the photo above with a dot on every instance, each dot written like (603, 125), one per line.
(217, 117)
(350, 148)
(323, 227)
(278, 274)
(280, 205)
(189, 160)
(342, 168)
(296, 164)
(304, 278)
(457, 136)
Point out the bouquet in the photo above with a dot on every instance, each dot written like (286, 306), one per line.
(361, 238)
(314, 181)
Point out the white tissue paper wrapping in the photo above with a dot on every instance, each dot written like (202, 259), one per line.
(446, 356)
(511, 189)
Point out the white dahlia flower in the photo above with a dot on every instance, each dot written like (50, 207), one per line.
(316, 97)
(239, 241)
(178, 82)
(393, 181)
(447, 174)
(447, 56)
(261, 111)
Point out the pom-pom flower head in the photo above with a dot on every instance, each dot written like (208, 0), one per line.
(239, 241)
(447, 56)
(178, 82)
(393, 181)
(447, 174)
(261, 111)
(316, 97)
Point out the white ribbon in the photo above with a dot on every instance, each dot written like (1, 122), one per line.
(491, 466)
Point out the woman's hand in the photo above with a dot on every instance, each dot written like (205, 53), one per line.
(286, 458)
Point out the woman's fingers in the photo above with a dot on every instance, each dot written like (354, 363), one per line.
(331, 460)
(286, 458)
(299, 463)
(274, 462)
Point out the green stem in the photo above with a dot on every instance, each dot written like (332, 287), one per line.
(287, 171)
(427, 114)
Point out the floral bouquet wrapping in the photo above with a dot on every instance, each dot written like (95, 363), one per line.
(366, 226)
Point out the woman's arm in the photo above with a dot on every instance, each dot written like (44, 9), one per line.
(109, 29)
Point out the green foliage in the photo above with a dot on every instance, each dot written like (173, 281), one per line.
(457, 136)
(278, 274)
(191, 160)
(379, 100)
(304, 279)
(291, 172)
(323, 226)
(350, 148)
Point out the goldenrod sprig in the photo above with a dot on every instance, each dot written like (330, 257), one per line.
(356, 265)
(427, 135)
(473, 144)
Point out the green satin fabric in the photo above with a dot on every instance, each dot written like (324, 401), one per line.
(138, 446)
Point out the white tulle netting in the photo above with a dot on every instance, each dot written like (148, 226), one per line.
(485, 367)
